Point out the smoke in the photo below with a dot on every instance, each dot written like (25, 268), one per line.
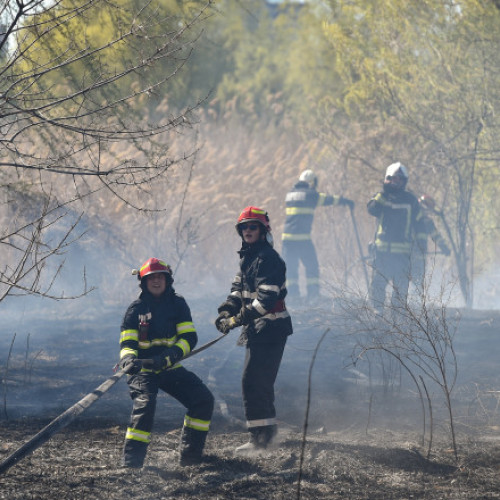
(486, 289)
(80, 337)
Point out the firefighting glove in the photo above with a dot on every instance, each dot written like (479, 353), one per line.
(131, 365)
(227, 324)
(347, 202)
(163, 360)
(446, 251)
(218, 322)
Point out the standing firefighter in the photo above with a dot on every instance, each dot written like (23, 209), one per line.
(420, 250)
(257, 303)
(399, 220)
(301, 202)
(159, 326)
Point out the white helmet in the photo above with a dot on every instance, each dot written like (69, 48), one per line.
(396, 169)
(310, 177)
(396, 177)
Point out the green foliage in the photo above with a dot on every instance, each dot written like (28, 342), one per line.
(275, 69)
(433, 72)
(103, 29)
(379, 81)
(365, 83)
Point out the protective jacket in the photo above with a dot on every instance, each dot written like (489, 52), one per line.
(428, 228)
(301, 202)
(400, 219)
(258, 290)
(152, 325)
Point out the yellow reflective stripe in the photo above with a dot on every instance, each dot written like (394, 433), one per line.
(185, 327)
(381, 199)
(127, 350)
(196, 423)
(258, 211)
(129, 335)
(312, 281)
(138, 435)
(146, 344)
(184, 345)
(321, 199)
(296, 237)
(392, 247)
(299, 211)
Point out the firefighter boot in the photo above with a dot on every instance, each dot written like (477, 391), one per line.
(192, 444)
(260, 438)
(134, 453)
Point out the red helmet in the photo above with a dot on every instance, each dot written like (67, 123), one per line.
(427, 202)
(254, 214)
(152, 266)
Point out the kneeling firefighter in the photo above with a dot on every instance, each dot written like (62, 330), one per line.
(158, 326)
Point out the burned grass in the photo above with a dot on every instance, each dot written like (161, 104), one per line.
(82, 462)
(363, 440)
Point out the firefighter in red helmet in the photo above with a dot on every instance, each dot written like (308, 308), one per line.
(256, 302)
(158, 326)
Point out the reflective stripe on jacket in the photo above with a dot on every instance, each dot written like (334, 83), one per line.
(428, 228)
(301, 202)
(259, 286)
(166, 323)
(399, 220)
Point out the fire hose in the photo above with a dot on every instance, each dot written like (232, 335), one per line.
(78, 408)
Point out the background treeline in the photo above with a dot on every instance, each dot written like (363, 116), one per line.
(342, 87)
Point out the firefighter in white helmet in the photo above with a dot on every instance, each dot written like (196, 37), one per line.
(297, 245)
(399, 220)
(158, 326)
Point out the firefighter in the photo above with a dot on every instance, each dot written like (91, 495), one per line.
(399, 220)
(158, 326)
(420, 250)
(256, 302)
(297, 244)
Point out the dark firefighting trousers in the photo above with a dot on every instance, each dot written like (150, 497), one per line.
(418, 272)
(185, 387)
(304, 251)
(393, 269)
(262, 362)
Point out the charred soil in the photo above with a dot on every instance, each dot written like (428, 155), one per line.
(360, 440)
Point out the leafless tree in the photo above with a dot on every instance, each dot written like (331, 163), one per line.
(78, 115)
(418, 335)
